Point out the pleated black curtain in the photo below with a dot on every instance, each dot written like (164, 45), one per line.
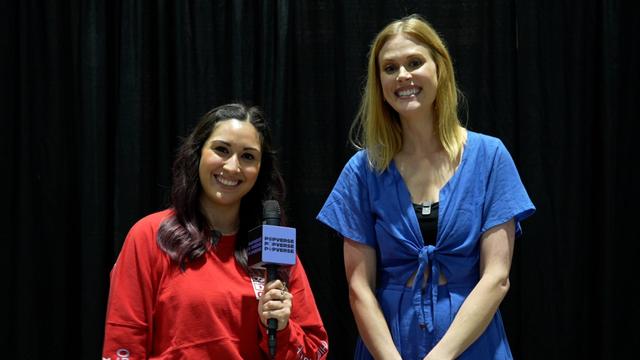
(96, 95)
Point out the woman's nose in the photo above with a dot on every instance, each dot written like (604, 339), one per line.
(403, 73)
(232, 163)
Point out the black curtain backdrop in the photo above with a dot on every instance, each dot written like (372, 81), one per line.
(96, 95)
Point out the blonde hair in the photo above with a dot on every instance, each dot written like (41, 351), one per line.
(377, 127)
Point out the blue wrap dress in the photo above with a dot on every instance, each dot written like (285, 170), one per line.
(375, 209)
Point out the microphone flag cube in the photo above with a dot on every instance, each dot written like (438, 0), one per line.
(271, 245)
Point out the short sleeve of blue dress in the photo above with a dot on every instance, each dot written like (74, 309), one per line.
(506, 197)
(347, 209)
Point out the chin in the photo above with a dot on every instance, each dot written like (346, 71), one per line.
(408, 108)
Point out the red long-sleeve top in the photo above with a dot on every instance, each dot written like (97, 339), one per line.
(209, 311)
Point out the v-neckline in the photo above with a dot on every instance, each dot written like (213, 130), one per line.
(404, 195)
(463, 157)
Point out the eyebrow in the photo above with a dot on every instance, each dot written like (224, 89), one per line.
(401, 57)
(229, 145)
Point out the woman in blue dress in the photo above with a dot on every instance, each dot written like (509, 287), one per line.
(428, 210)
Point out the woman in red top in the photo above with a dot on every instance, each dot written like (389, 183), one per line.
(181, 287)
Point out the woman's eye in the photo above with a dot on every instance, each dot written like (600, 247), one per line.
(248, 156)
(414, 64)
(221, 150)
(389, 69)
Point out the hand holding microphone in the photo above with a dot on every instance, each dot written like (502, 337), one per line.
(275, 303)
(270, 247)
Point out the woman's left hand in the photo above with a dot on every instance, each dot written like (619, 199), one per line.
(275, 303)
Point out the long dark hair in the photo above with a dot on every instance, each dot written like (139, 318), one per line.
(185, 236)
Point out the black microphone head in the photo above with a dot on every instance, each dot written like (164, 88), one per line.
(271, 212)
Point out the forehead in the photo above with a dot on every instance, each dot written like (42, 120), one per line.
(234, 130)
(401, 45)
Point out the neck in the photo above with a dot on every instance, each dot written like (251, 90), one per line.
(419, 136)
(225, 219)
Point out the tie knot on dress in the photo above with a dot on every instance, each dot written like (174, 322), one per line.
(421, 302)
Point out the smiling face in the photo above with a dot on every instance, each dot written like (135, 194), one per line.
(408, 76)
(229, 163)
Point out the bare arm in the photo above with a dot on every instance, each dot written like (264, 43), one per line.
(360, 266)
(496, 252)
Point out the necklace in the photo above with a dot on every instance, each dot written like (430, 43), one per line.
(426, 207)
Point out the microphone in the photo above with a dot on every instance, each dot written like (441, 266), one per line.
(271, 246)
